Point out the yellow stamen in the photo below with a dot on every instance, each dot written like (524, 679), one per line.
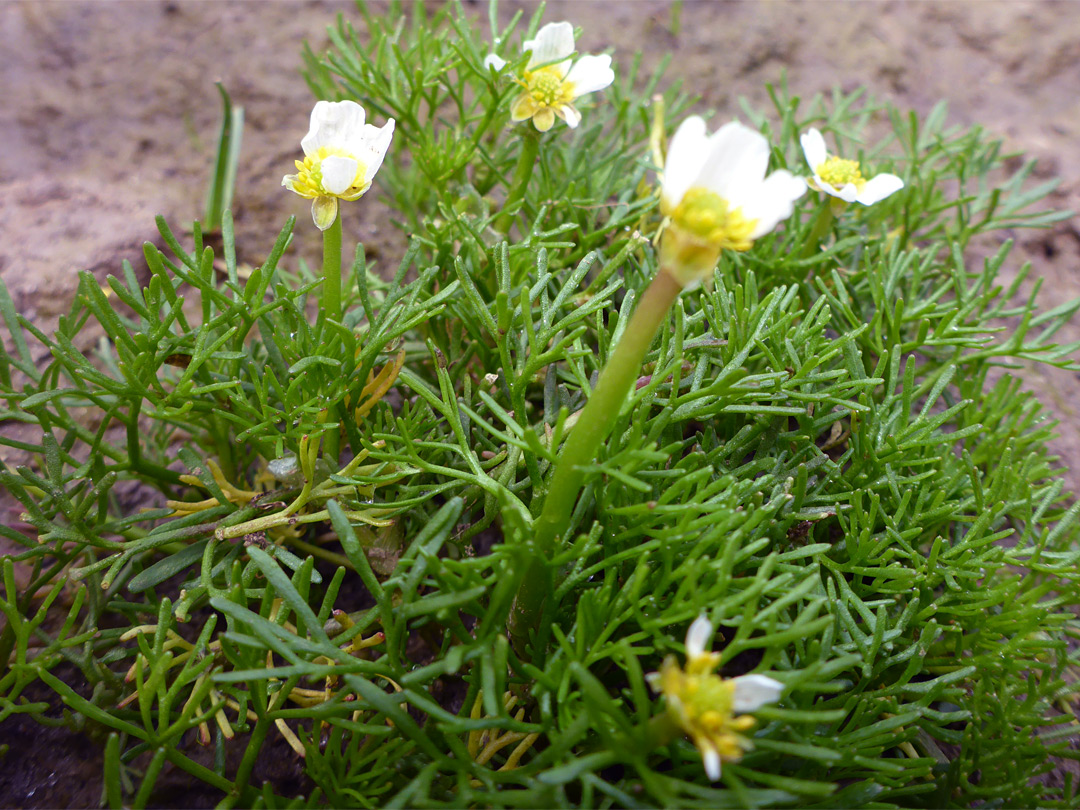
(838, 172)
(709, 217)
(702, 225)
(702, 704)
(546, 94)
(309, 175)
(548, 88)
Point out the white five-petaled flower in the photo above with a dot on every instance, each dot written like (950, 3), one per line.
(341, 156)
(716, 194)
(552, 81)
(843, 178)
(704, 705)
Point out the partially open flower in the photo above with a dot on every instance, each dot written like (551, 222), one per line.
(716, 194)
(342, 154)
(551, 83)
(843, 178)
(705, 705)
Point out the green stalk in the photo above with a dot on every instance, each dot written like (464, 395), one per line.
(530, 146)
(595, 423)
(331, 301)
(134, 449)
(821, 228)
(331, 291)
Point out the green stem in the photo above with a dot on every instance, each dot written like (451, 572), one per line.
(331, 301)
(530, 146)
(331, 292)
(134, 449)
(662, 729)
(822, 226)
(593, 425)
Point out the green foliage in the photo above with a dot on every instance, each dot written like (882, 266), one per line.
(827, 452)
(219, 197)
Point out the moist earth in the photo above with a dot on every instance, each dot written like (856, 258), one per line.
(110, 117)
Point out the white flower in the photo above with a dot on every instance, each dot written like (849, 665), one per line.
(843, 178)
(493, 60)
(704, 705)
(699, 634)
(754, 691)
(342, 154)
(716, 194)
(551, 82)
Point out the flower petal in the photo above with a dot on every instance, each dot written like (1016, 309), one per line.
(338, 173)
(372, 148)
(699, 634)
(569, 113)
(493, 60)
(878, 188)
(847, 192)
(553, 42)
(590, 73)
(737, 161)
(711, 760)
(544, 119)
(332, 124)
(324, 211)
(289, 181)
(523, 108)
(813, 147)
(685, 154)
(754, 691)
(772, 200)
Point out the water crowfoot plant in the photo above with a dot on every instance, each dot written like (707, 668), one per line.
(716, 196)
(653, 428)
(341, 157)
(550, 82)
(703, 705)
(842, 182)
(842, 178)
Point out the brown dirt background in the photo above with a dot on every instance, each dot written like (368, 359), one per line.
(110, 116)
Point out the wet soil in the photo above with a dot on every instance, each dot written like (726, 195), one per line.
(110, 116)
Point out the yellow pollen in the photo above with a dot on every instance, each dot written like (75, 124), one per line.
(548, 88)
(838, 172)
(712, 720)
(309, 175)
(709, 217)
(701, 703)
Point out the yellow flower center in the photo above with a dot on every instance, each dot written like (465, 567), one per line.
(838, 172)
(702, 703)
(709, 217)
(548, 88)
(309, 175)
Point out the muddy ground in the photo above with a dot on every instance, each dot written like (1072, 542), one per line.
(110, 116)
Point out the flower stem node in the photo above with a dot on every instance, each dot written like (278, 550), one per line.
(552, 81)
(716, 196)
(341, 156)
(842, 178)
(710, 709)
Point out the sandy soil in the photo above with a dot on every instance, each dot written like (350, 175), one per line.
(110, 116)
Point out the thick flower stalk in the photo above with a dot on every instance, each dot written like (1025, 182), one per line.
(711, 710)
(552, 82)
(341, 156)
(717, 197)
(842, 178)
